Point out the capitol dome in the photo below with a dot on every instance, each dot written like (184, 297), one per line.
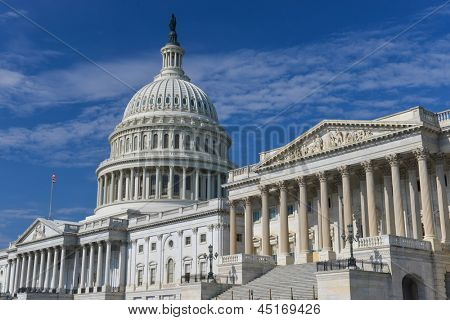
(170, 94)
(169, 150)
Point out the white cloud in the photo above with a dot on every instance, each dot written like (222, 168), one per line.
(246, 86)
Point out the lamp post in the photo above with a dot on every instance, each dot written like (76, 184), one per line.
(210, 257)
(350, 238)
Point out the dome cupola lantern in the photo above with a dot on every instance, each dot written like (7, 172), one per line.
(172, 55)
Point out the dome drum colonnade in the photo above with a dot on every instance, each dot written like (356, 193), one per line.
(169, 144)
(393, 221)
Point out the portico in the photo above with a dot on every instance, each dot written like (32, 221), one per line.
(324, 189)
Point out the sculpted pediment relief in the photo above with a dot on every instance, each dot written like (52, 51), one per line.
(327, 137)
(37, 231)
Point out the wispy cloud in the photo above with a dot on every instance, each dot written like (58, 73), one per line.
(8, 15)
(247, 87)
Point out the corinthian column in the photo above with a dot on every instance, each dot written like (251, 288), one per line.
(283, 257)
(397, 195)
(442, 198)
(326, 253)
(371, 209)
(265, 243)
(111, 188)
(430, 235)
(413, 193)
(99, 265)
(233, 249)
(304, 255)
(120, 186)
(62, 269)
(248, 226)
(347, 199)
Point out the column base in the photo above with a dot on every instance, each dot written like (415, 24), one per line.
(327, 255)
(284, 260)
(304, 257)
(435, 243)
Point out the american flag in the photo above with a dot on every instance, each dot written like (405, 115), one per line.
(53, 178)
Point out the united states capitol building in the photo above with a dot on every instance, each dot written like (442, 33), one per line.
(350, 209)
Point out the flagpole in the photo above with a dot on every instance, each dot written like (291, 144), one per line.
(53, 180)
(51, 200)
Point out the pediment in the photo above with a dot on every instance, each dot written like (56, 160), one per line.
(329, 136)
(39, 229)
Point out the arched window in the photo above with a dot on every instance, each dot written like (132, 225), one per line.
(144, 142)
(177, 141)
(206, 145)
(214, 147)
(135, 143)
(170, 269)
(127, 145)
(187, 142)
(166, 141)
(197, 144)
(155, 141)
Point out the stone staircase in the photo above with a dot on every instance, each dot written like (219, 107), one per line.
(300, 277)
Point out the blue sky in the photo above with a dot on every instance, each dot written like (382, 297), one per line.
(272, 70)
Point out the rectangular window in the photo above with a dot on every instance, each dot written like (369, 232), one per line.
(165, 184)
(290, 209)
(187, 241)
(140, 278)
(188, 183)
(152, 185)
(256, 215)
(141, 248)
(309, 206)
(203, 238)
(153, 246)
(239, 237)
(152, 276)
(273, 212)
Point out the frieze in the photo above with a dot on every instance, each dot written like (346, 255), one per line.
(331, 140)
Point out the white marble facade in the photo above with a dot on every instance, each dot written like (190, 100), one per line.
(169, 190)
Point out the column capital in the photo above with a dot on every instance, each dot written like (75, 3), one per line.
(322, 176)
(231, 203)
(160, 236)
(301, 181)
(282, 185)
(146, 239)
(392, 159)
(344, 171)
(180, 232)
(247, 201)
(100, 243)
(195, 230)
(263, 188)
(367, 165)
(421, 153)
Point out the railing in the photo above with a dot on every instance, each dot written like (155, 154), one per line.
(343, 264)
(241, 173)
(192, 278)
(390, 240)
(245, 258)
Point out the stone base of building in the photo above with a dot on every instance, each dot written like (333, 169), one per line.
(354, 284)
(284, 260)
(327, 255)
(241, 268)
(44, 296)
(100, 296)
(202, 290)
(305, 257)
